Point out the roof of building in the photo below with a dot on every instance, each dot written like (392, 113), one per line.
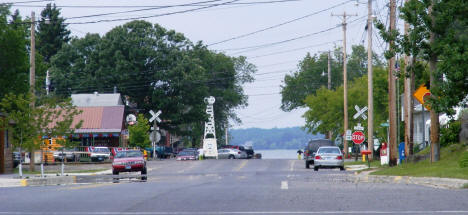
(96, 99)
(99, 119)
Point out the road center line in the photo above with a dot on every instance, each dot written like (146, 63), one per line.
(284, 185)
(242, 165)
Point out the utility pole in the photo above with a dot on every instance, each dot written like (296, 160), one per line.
(329, 85)
(370, 87)
(435, 145)
(226, 134)
(408, 104)
(329, 71)
(392, 94)
(345, 82)
(32, 77)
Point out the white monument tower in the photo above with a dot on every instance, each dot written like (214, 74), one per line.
(210, 147)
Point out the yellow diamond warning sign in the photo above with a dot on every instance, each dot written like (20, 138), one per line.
(421, 94)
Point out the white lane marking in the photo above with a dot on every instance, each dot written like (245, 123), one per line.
(291, 168)
(241, 212)
(191, 166)
(284, 185)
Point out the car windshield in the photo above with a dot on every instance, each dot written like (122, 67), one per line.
(128, 154)
(329, 151)
(104, 150)
(186, 153)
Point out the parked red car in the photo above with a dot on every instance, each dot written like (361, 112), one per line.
(129, 161)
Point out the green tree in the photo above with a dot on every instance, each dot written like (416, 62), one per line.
(13, 55)
(311, 75)
(325, 108)
(49, 118)
(155, 68)
(51, 32)
(138, 133)
(437, 37)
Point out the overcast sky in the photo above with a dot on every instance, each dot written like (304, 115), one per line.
(215, 24)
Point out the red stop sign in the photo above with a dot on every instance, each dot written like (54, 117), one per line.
(358, 137)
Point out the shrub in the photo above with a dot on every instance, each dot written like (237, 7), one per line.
(449, 133)
(464, 160)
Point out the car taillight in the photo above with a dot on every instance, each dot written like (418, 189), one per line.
(238, 152)
(339, 157)
(318, 157)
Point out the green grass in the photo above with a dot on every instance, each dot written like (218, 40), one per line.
(447, 167)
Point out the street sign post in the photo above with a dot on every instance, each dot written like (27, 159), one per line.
(155, 118)
(358, 137)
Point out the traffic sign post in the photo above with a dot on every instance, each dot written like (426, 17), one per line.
(155, 118)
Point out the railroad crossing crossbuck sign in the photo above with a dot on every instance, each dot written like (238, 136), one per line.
(360, 112)
(155, 116)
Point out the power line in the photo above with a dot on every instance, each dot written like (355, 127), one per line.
(275, 64)
(278, 25)
(152, 16)
(142, 6)
(139, 10)
(203, 3)
(252, 48)
(292, 50)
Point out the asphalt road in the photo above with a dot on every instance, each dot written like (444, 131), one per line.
(235, 187)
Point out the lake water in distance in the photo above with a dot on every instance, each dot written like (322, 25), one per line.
(278, 153)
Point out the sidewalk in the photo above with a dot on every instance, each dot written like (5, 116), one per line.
(13, 180)
(444, 183)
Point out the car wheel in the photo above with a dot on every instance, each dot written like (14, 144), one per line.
(231, 157)
(115, 179)
(342, 168)
(316, 168)
(143, 172)
(307, 165)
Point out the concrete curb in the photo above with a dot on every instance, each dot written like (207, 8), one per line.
(444, 183)
(59, 180)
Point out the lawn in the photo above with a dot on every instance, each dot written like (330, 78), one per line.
(447, 167)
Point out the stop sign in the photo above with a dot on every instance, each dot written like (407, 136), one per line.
(358, 137)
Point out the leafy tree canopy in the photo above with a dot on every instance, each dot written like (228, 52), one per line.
(14, 66)
(325, 111)
(156, 69)
(138, 133)
(51, 32)
(312, 74)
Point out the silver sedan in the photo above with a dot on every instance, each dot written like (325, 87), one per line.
(328, 157)
(231, 154)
